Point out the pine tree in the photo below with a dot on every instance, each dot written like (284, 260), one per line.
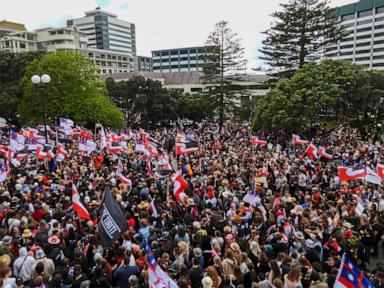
(298, 35)
(224, 58)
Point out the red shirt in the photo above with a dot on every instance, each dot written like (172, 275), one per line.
(38, 215)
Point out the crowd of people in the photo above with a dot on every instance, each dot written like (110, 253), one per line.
(294, 234)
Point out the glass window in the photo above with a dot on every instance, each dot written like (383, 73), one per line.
(379, 19)
(379, 10)
(174, 52)
(364, 13)
(332, 55)
(165, 53)
(363, 44)
(379, 27)
(346, 39)
(348, 17)
(379, 34)
(332, 48)
(378, 50)
(346, 46)
(378, 57)
(363, 22)
(346, 53)
(364, 37)
(184, 51)
(378, 42)
(363, 51)
(378, 65)
(196, 89)
(364, 29)
(363, 59)
(22, 45)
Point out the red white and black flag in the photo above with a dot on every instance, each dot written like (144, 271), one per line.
(186, 147)
(178, 189)
(297, 140)
(325, 153)
(152, 146)
(257, 141)
(312, 152)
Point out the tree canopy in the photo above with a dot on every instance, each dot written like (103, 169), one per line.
(332, 92)
(76, 91)
(12, 66)
(298, 35)
(223, 55)
(145, 102)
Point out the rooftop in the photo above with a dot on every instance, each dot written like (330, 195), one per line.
(4, 24)
(180, 78)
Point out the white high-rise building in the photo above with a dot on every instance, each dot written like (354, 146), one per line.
(364, 20)
(106, 32)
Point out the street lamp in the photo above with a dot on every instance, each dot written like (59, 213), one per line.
(41, 83)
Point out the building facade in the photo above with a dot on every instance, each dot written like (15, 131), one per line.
(106, 32)
(364, 20)
(15, 38)
(249, 86)
(178, 60)
(64, 38)
(143, 63)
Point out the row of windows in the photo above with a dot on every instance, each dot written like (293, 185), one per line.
(361, 14)
(176, 66)
(378, 65)
(364, 29)
(177, 52)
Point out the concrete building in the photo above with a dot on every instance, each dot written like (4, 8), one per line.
(106, 32)
(190, 82)
(364, 20)
(178, 60)
(15, 38)
(143, 63)
(64, 38)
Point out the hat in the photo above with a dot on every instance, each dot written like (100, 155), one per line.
(39, 254)
(207, 282)
(197, 252)
(54, 240)
(235, 247)
(227, 229)
(299, 235)
(27, 233)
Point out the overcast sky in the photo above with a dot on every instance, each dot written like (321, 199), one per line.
(160, 24)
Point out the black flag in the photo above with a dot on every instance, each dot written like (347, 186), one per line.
(112, 222)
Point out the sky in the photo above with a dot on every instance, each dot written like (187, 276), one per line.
(160, 24)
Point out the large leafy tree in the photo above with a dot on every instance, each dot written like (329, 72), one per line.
(298, 35)
(76, 91)
(333, 92)
(224, 55)
(143, 101)
(12, 66)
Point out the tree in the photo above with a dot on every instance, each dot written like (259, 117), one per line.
(223, 54)
(331, 92)
(298, 35)
(76, 91)
(12, 66)
(143, 101)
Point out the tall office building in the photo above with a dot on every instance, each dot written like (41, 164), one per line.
(106, 32)
(364, 45)
(178, 60)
